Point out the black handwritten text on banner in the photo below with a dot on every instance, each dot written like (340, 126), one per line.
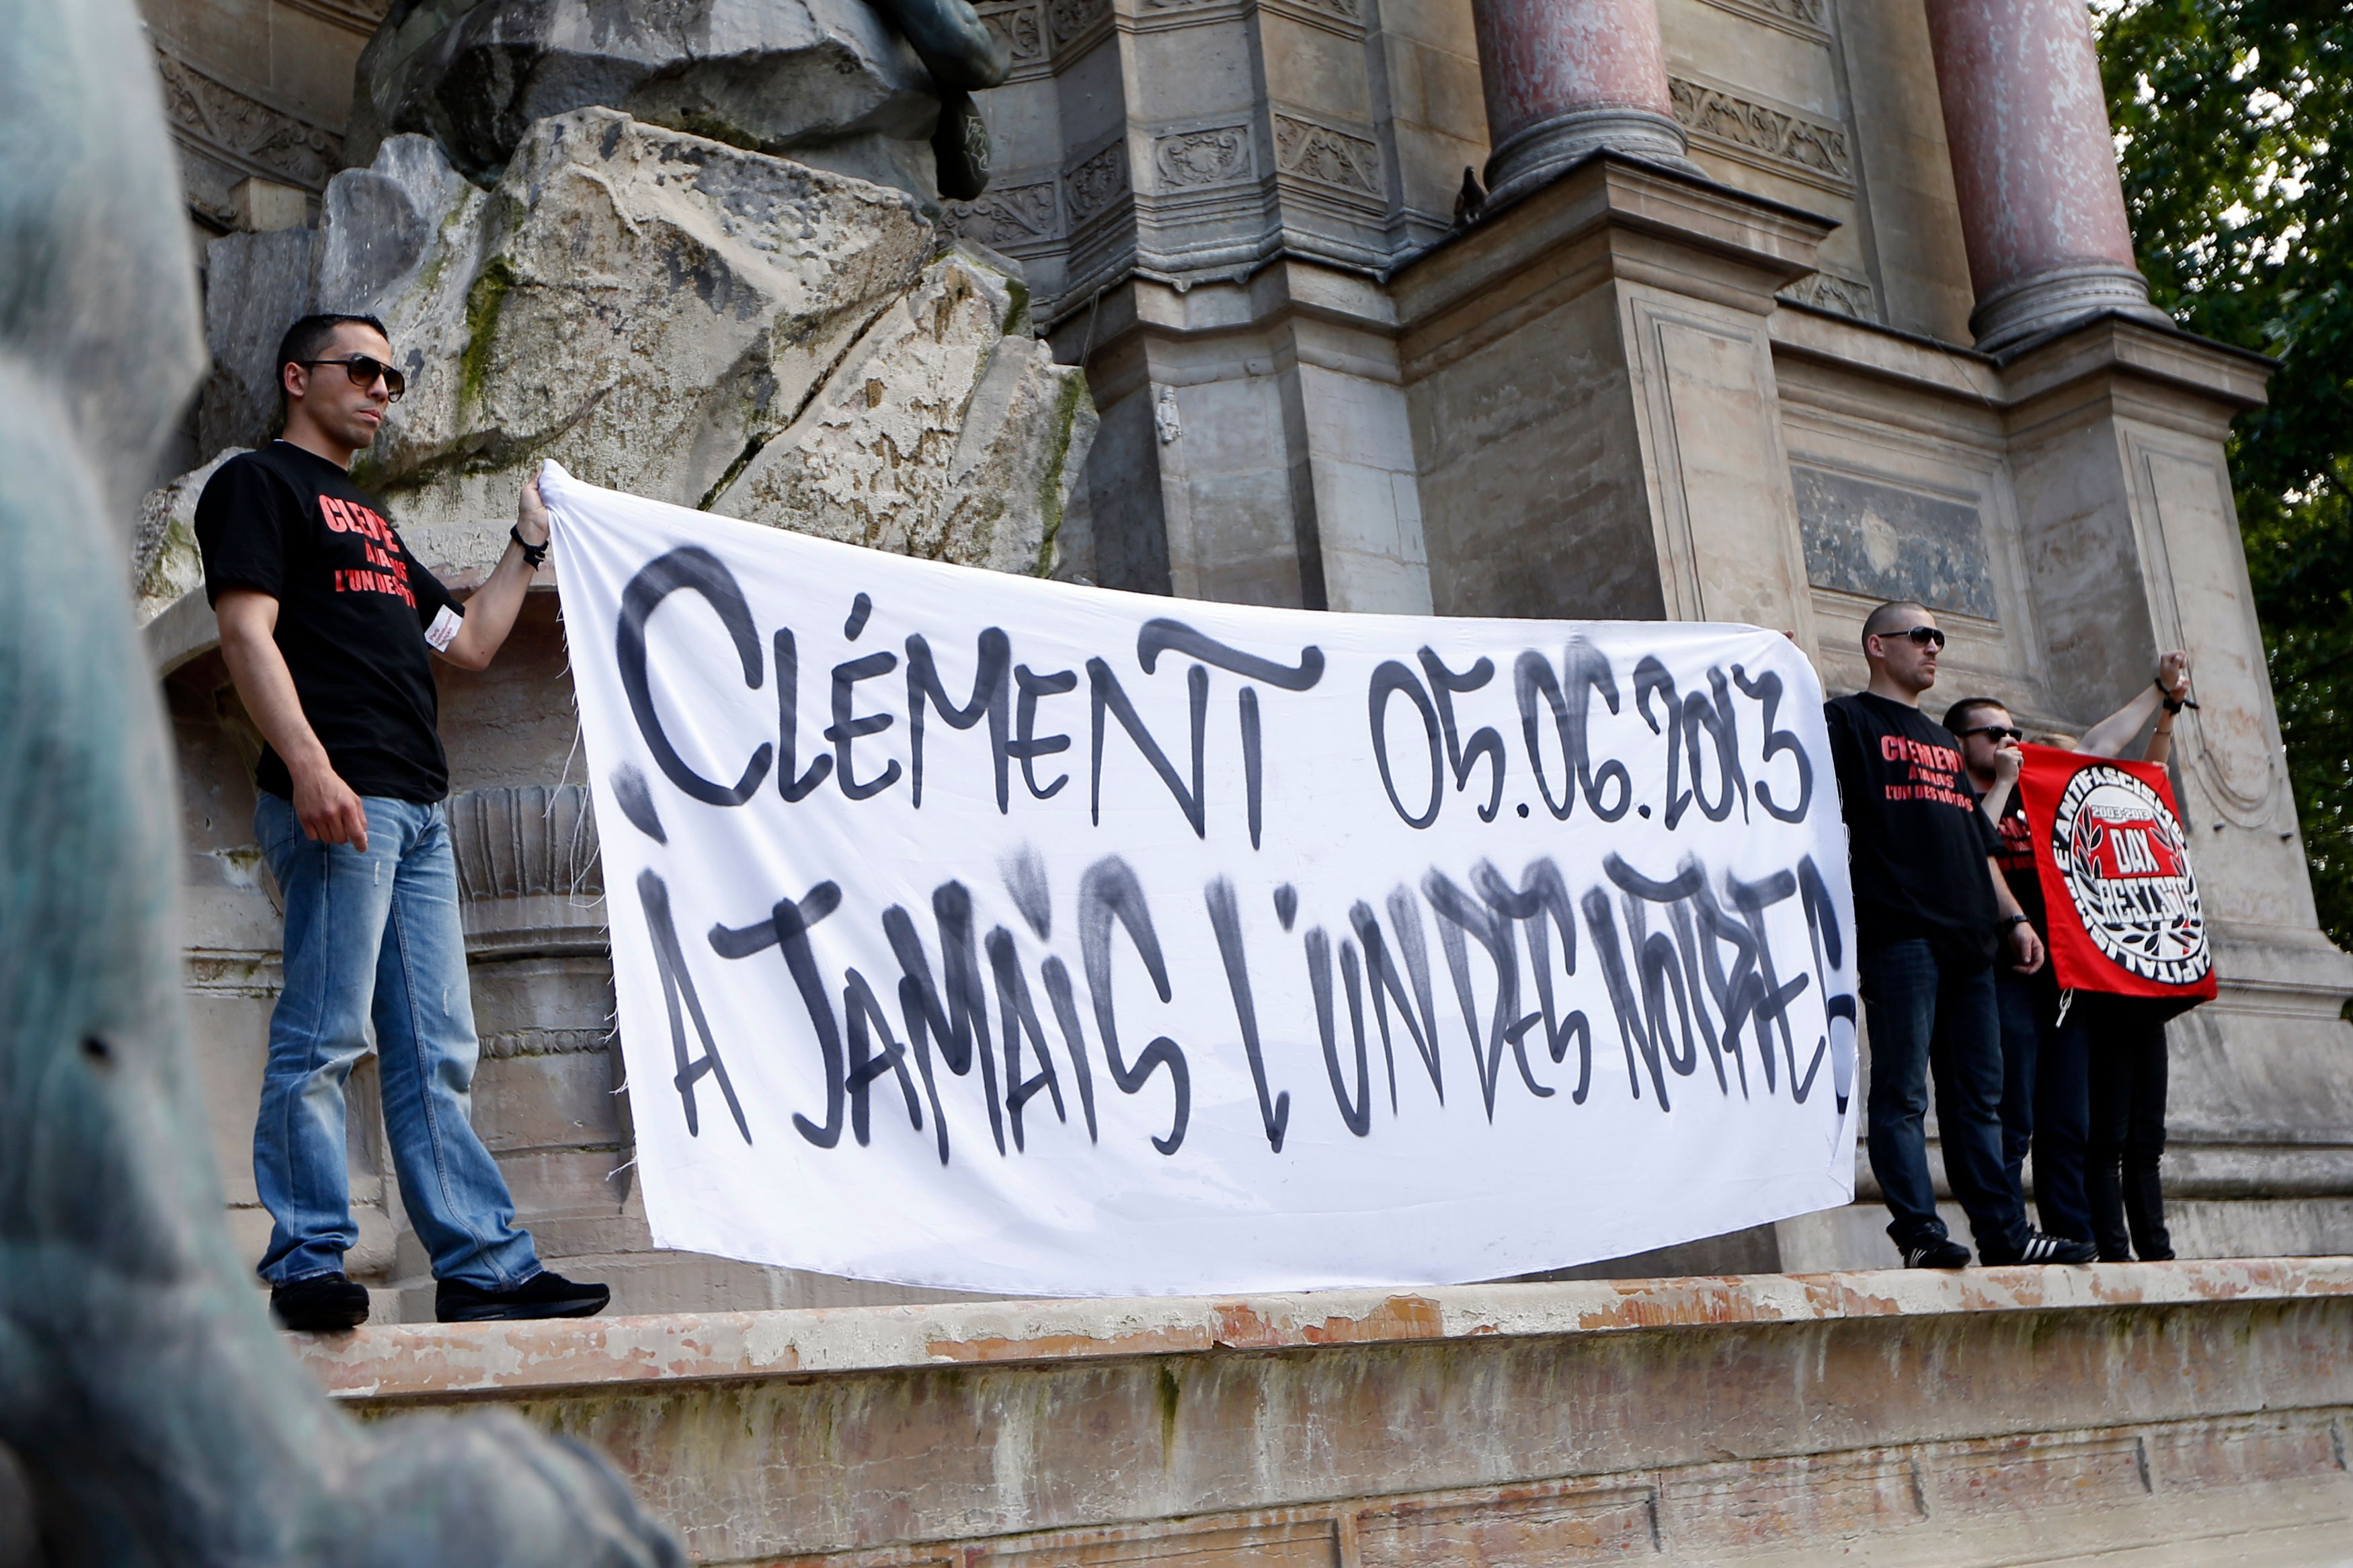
(978, 932)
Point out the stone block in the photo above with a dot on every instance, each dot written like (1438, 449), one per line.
(1533, 491)
(1123, 476)
(2195, 1458)
(1356, 419)
(1312, 64)
(546, 1101)
(1515, 1528)
(1819, 1500)
(264, 206)
(1355, 509)
(556, 1181)
(1231, 424)
(1245, 547)
(1440, 23)
(2044, 1473)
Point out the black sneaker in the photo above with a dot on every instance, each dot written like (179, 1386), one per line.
(546, 1294)
(322, 1304)
(1936, 1252)
(2041, 1249)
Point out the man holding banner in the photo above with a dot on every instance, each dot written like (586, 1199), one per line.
(2046, 1090)
(2131, 949)
(1931, 910)
(329, 626)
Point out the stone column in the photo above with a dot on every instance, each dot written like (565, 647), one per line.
(1565, 78)
(2034, 165)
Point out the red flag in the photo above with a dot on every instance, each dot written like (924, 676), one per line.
(2115, 866)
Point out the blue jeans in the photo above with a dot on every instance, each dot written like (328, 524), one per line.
(1931, 1013)
(375, 934)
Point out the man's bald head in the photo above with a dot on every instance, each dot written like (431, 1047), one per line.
(1902, 664)
(1895, 616)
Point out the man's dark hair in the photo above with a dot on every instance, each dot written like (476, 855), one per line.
(1959, 715)
(1885, 619)
(306, 337)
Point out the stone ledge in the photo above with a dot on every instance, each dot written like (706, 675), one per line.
(435, 1362)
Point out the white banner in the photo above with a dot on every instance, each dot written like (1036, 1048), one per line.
(979, 931)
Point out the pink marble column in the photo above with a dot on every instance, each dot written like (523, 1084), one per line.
(1565, 78)
(2035, 167)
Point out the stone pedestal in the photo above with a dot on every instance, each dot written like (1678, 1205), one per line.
(2034, 168)
(1565, 79)
(1591, 385)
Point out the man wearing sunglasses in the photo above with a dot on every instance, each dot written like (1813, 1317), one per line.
(327, 624)
(1932, 913)
(2046, 1094)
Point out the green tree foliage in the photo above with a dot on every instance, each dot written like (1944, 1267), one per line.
(2234, 127)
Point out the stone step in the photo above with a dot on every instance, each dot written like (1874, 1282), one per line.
(2141, 1413)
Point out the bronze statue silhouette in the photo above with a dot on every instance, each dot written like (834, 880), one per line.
(150, 1417)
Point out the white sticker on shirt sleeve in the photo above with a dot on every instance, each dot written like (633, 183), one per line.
(443, 629)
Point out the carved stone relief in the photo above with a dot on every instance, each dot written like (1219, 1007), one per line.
(1864, 536)
(1013, 219)
(1071, 21)
(1780, 140)
(528, 874)
(1192, 160)
(1096, 183)
(1829, 291)
(1331, 157)
(225, 135)
(1023, 28)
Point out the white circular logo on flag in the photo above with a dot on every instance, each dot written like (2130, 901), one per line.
(2120, 852)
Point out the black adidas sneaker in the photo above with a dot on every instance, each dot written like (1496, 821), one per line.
(2041, 1249)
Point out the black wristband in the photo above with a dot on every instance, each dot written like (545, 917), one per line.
(534, 555)
(2018, 920)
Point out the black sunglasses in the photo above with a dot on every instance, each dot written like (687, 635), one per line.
(363, 370)
(1926, 636)
(1997, 732)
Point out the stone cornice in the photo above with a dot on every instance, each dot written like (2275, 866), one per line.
(1768, 244)
(2111, 342)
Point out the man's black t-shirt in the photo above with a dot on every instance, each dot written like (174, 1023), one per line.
(2016, 859)
(356, 616)
(1916, 841)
